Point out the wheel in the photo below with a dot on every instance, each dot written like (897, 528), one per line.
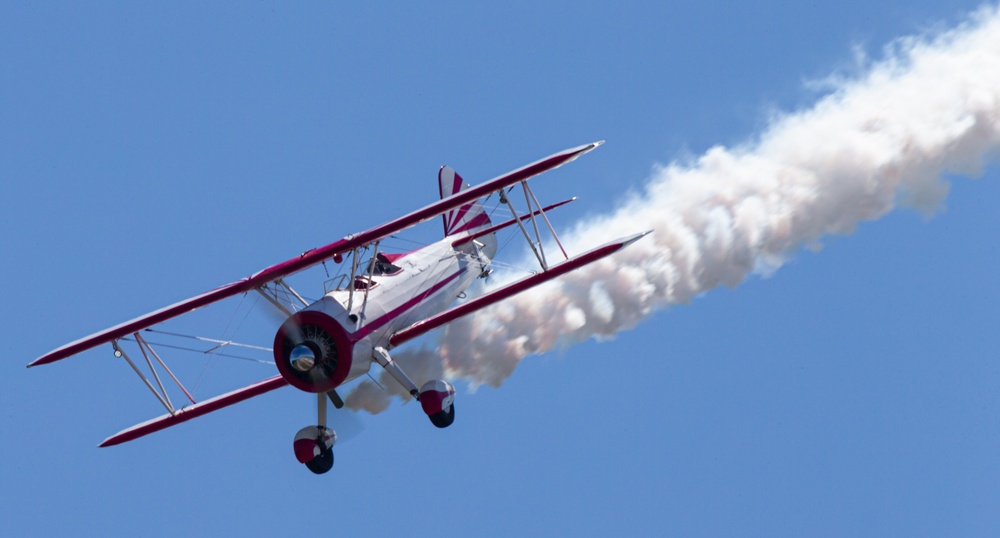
(443, 419)
(313, 447)
(322, 463)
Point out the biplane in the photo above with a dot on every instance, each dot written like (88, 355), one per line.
(382, 302)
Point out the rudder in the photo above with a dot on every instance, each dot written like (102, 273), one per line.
(470, 216)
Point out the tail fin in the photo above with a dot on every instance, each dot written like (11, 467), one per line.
(468, 217)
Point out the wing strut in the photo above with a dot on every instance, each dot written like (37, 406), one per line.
(350, 284)
(271, 292)
(541, 211)
(148, 350)
(369, 282)
(539, 256)
(536, 244)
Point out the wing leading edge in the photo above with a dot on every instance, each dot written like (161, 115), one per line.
(316, 255)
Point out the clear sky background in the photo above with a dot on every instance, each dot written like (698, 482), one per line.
(151, 152)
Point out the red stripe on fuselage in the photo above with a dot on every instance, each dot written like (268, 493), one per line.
(377, 323)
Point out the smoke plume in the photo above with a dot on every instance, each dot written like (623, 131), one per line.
(879, 139)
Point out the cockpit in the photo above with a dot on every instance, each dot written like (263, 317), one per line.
(383, 265)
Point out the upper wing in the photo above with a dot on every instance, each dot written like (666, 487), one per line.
(317, 255)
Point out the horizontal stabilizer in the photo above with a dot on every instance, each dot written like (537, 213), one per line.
(196, 410)
(513, 288)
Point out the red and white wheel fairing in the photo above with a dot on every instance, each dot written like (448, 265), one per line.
(314, 448)
(312, 441)
(437, 398)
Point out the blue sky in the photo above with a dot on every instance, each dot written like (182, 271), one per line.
(149, 153)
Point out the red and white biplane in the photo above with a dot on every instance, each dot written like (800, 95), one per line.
(385, 301)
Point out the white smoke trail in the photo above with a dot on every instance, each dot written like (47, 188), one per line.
(878, 140)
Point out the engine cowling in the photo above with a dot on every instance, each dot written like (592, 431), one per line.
(312, 351)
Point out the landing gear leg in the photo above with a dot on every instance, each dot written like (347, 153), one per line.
(436, 397)
(314, 444)
(385, 361)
